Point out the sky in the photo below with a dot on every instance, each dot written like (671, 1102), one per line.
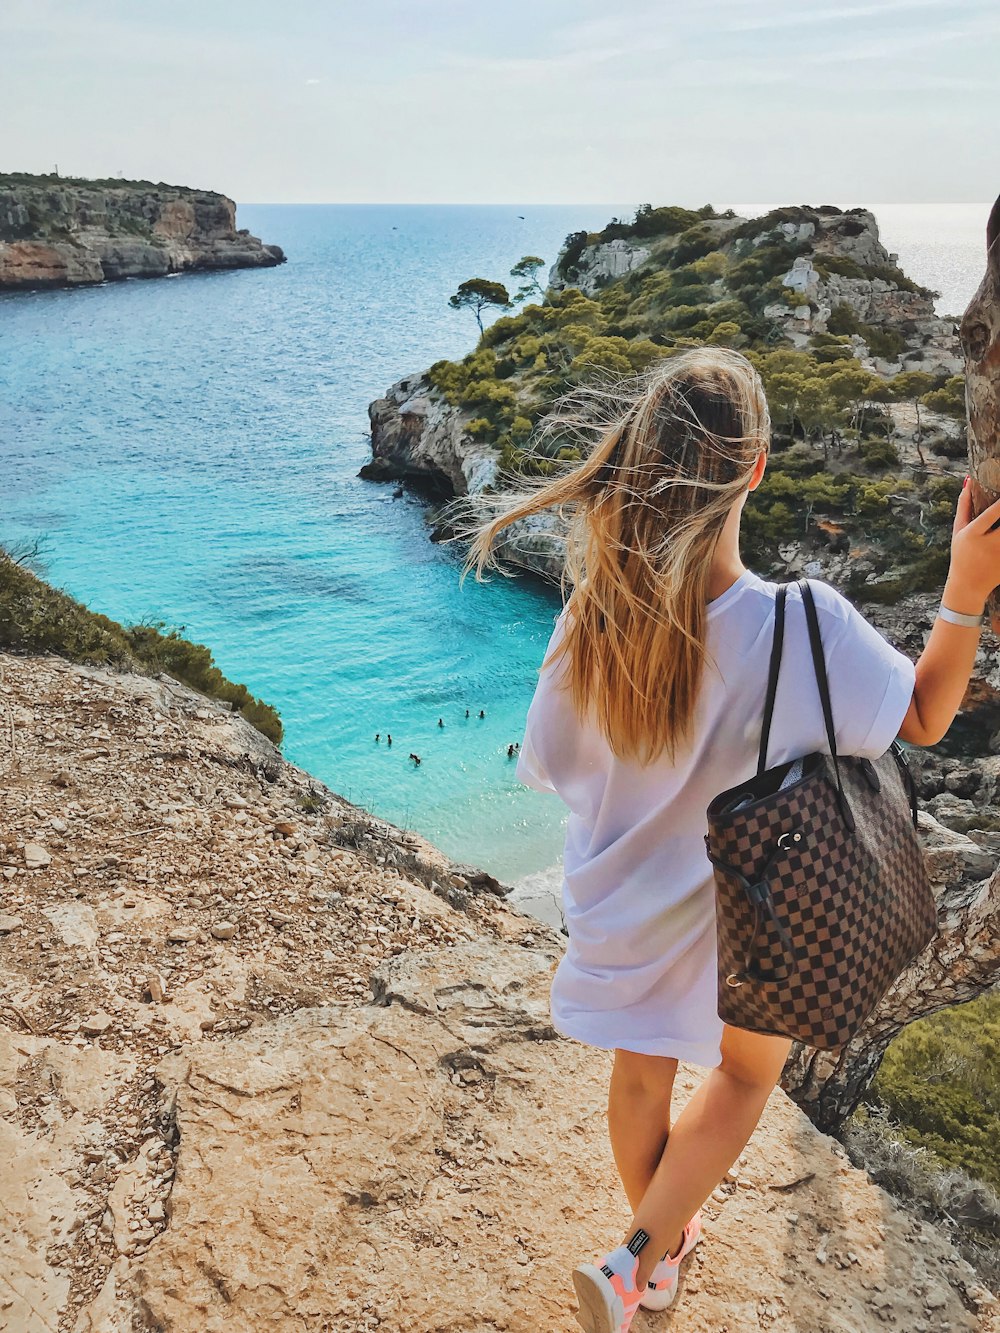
(523, 101)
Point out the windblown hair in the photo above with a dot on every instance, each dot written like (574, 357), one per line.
(644, 512)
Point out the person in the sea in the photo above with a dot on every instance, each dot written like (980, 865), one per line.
(440, 721)
(388, 738)
(510, 751)
(466, 712)
(482, 712)
(377, 734)
(648, 704)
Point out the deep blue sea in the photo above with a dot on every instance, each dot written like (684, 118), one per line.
(188, 448)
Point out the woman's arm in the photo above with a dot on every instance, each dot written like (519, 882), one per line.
(944, 667)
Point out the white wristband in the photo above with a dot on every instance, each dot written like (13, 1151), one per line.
(959, 617)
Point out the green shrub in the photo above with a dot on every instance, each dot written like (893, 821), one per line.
(448, 378)
(950, 398)
(879, 453)
(884, 343)
(842, 265)
(940, 1079)
(607, 354)
(844, 320)
(569, 257)
(507, 327)
(481, 429)
(727, 334)
(642, 352)
(488, 393)
(695, 243)
(37, 618)
(649, 221)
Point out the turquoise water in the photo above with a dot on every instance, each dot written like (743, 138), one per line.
(189, 448)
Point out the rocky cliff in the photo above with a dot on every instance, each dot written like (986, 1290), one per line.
(267, 1063)
(816, 271)
(64, 233)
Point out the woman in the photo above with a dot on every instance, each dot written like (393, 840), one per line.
(648, 704)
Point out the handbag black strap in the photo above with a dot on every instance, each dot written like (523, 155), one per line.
(822, 684)
(774, 666)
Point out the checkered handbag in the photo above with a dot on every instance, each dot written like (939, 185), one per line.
(822, 896)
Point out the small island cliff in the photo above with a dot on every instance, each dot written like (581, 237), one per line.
(67, 232)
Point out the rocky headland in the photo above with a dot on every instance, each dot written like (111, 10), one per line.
(268, 1063)
(815, 281)
(57, 232)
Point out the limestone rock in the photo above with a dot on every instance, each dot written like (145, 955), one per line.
(344, 1145)
(96, 1024)
(418, 437)
(601, 264)
(35, 856)
(56, 233)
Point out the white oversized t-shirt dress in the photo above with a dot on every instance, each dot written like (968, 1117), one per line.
(639, 971)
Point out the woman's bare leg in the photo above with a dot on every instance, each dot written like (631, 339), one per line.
(639, 1117)
(708, 1136)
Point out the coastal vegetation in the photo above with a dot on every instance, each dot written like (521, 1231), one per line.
(38, 618)
(939, 1081)
(929, 1129)
(835, 478)
(477, 295)
(92, 183)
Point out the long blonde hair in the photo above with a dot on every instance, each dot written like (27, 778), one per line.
(645, 511)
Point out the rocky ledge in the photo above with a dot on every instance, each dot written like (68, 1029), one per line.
(261, 1053)
(60, 233)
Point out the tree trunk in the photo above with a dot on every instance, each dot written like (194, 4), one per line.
(964, 960)
(980, 332)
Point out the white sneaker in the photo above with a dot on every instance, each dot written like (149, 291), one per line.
(662, 1285)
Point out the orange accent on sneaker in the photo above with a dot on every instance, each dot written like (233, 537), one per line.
(607, 1302)
(662, 1286)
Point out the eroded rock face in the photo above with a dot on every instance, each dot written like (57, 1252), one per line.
(350, 1113)
(980, 330)
(449, 1134)
(418, 436)
(601, 264)
(64, 235)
